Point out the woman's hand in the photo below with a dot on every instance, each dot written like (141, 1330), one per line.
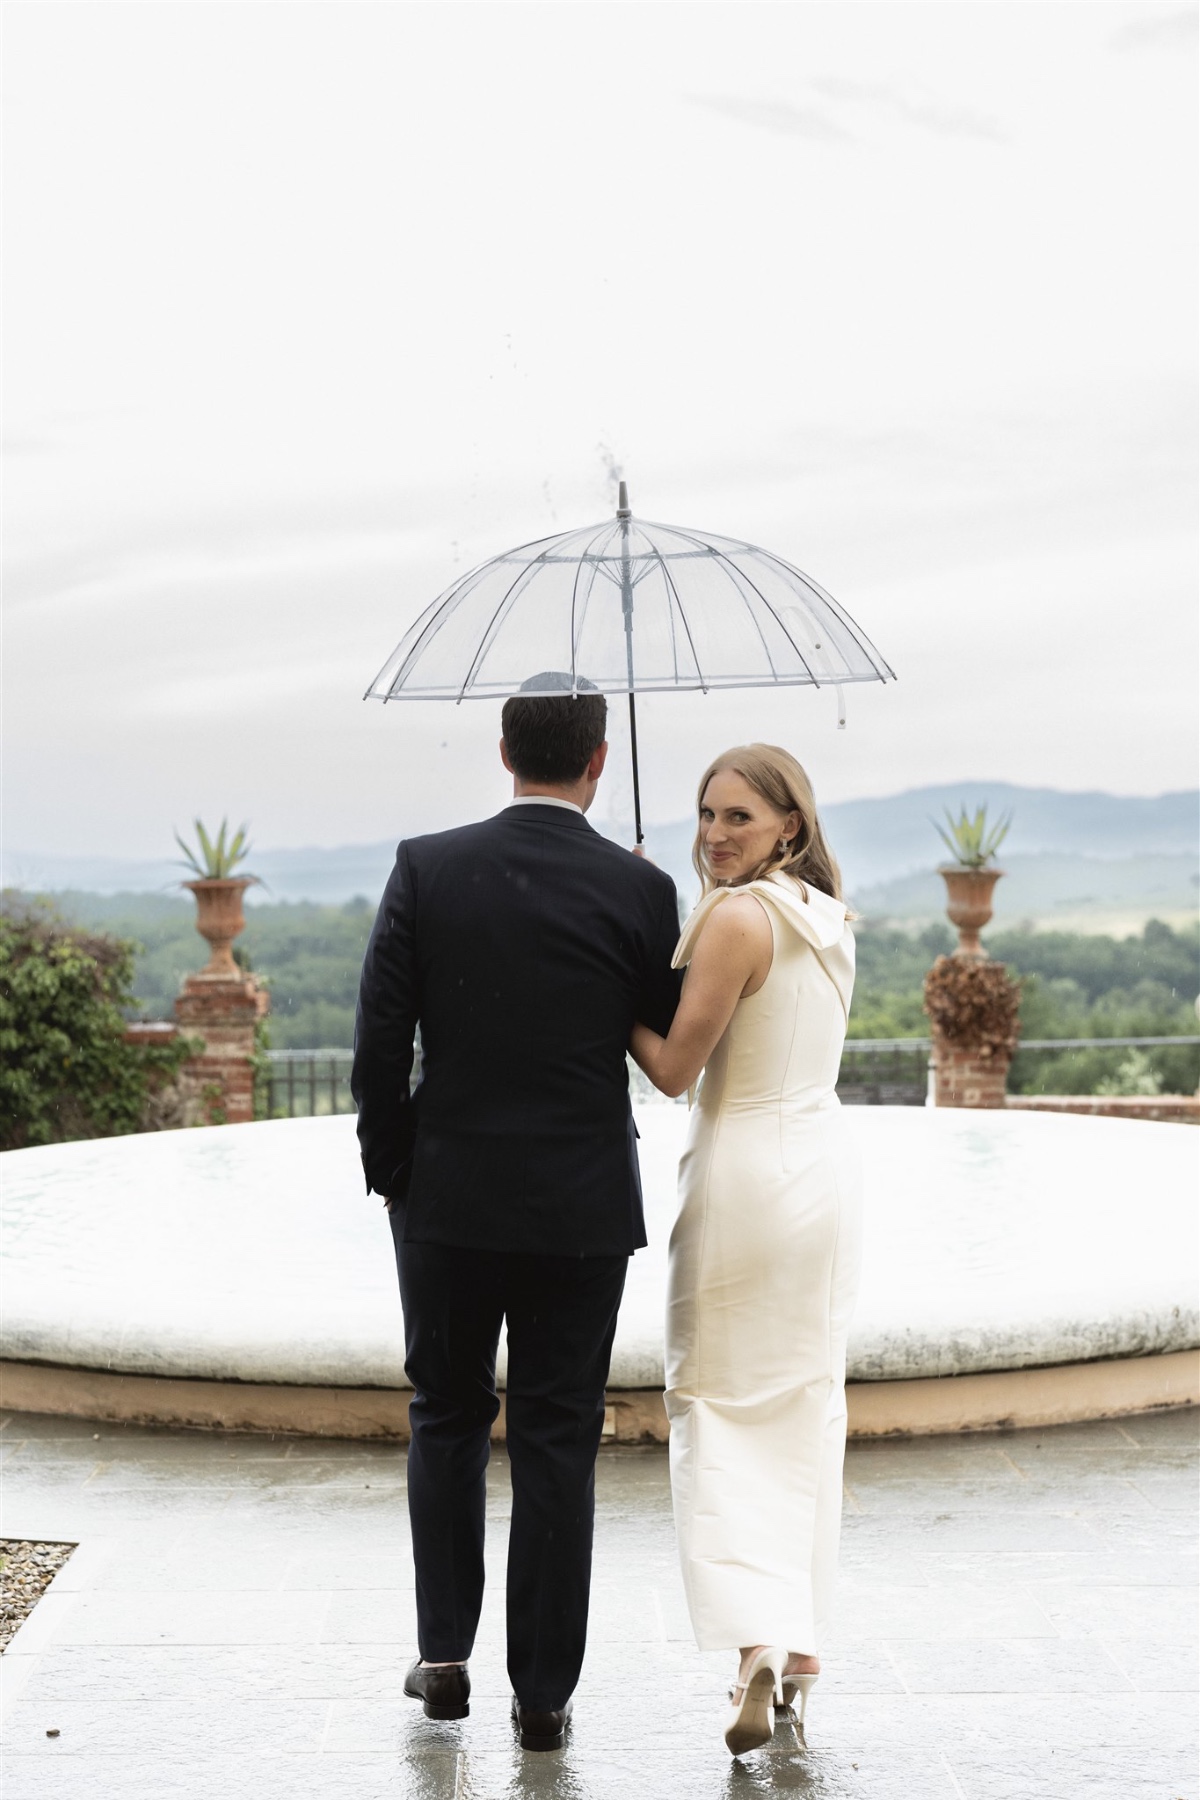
(732, 958)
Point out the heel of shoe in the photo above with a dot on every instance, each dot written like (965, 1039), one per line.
(461, 1711)
(796, 1687)
(752, 1723)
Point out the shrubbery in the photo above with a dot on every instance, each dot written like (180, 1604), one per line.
(65, 1068)
(1073, 985)
(310, 954)
(974, 1004)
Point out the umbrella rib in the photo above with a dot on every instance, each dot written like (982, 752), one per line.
(426, 622)
(762, 636)
(728, 560)
(857, 633)
(430, 619)
(674, 634)
(579, 563)
(485, 643)
(708, 549)
(555, 537)
(667, 577)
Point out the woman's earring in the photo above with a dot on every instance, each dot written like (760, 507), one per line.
(783, 847)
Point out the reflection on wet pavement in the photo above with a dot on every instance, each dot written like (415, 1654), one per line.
(1016, 1622)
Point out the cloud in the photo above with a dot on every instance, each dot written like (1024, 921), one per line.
(242, 692)
(808, 119)
(775, 115)
(914, 106)
(1157, 31)
(27, 444)
(118, 574)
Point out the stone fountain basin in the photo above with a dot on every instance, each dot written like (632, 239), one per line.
(994, 1241)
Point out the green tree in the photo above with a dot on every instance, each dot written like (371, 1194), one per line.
(66, 1070)
(1072, 984)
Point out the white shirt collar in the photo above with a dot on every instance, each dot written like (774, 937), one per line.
(544, 800)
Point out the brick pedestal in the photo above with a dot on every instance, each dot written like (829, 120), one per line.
(221, 1011)
(967, 1077)
(151, 1034)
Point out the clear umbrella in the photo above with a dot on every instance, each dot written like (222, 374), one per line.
(630, 607)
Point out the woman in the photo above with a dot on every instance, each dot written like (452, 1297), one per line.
(765, 1250)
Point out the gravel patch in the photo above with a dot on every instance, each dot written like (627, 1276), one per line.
(26, 1571)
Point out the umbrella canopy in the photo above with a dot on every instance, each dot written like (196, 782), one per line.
(632, 607)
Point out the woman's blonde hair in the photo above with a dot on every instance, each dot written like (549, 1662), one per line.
(777, 778)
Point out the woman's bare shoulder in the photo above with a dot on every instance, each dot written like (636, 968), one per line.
(740, 921)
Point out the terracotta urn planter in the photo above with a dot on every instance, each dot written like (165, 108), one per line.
(219, 918)
(969, 904)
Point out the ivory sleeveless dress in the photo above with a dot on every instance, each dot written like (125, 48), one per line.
(764, 1264)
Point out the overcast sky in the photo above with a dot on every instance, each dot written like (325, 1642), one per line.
(309, 307)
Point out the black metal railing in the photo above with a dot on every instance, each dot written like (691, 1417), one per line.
(895, 1071)
(304, 1084)
(1106, 1065)
(884, 1072)
(875, 1071)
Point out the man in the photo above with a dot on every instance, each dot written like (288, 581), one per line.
(524, 947)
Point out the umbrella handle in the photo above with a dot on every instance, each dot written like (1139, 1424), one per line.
(637, 794)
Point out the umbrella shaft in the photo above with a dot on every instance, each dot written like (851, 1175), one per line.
(627, 609)
(637, 794)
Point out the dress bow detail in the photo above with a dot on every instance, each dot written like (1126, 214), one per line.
(816, 917)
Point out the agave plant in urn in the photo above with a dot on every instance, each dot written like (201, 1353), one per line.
(972, 876)
(218, 891)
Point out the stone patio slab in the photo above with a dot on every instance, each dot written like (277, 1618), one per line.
(980, 1655)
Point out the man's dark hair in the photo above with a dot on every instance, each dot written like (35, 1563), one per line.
(552, 736)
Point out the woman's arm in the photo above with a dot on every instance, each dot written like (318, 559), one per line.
(732, 957)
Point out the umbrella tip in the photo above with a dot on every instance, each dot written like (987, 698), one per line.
(623, 511)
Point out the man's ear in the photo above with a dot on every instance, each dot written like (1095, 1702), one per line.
(595, 767)
(504, 757)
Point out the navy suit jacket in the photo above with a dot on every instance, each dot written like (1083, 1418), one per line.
(524, 947)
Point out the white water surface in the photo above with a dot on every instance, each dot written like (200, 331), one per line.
(251, 1252)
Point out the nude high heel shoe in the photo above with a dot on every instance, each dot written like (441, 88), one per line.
(752, 1723)
(797, 1684)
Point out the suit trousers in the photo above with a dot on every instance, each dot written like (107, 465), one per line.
(561, 1315)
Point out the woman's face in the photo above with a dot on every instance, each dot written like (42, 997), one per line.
(738, 828)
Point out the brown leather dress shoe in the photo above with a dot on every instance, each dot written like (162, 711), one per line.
(445, 1692)
(541, 1730)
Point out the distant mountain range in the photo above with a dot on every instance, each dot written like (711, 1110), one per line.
(1067, 856)
(1085, 861)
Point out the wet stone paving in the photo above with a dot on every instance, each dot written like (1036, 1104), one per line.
(1017, 1621)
